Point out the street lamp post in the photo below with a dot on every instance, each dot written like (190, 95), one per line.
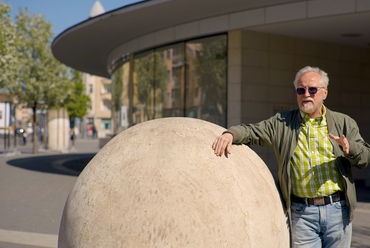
(5, 127)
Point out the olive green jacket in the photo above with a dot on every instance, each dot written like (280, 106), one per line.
(281, 132)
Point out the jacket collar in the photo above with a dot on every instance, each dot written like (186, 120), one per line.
(328, 115)
(329, 120)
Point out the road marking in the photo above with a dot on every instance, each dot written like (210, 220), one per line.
(27, 238)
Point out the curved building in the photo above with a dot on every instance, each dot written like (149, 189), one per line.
(223, 61)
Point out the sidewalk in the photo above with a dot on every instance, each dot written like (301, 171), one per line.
(33, 191)
(87, 145)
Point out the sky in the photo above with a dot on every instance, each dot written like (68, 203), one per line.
(63, 14)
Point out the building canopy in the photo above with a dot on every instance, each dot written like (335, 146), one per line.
(87, 45)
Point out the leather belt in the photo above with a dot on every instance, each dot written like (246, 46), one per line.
(319, 201)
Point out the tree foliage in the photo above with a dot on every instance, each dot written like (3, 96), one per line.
(8, 53)
(117, 89)
(29, 72)
(40, 72)
(151, 78)
(78, 102)
(117, 98)
(211, 71)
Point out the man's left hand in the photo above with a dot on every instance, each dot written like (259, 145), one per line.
(342, 141)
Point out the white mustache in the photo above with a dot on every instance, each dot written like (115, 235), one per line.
(307, 99)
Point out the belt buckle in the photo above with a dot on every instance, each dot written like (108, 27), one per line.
(319, 201)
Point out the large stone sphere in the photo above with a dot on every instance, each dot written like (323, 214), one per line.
(159, 184)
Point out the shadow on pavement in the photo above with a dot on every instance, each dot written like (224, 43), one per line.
(66, 164)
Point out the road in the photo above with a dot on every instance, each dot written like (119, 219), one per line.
(33, 191)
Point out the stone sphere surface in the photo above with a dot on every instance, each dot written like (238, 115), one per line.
(159, 184)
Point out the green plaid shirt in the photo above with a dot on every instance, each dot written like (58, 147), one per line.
(313, 169)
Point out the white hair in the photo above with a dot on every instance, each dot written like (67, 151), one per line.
(323, 75)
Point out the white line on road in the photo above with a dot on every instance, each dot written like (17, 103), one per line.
(27, 238)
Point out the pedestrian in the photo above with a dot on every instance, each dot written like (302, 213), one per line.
(24, 137)
(315, 149)
(94, 131)
(71, 134)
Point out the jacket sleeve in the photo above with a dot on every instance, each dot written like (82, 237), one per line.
(254, 134)
(359, 150)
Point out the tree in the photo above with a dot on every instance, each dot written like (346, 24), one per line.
(151, 78)
(30, 74)
(211, 70)
(77, 103)
(8, 53)
(41, 78)
(117, 95)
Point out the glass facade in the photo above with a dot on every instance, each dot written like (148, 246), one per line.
(186, 79)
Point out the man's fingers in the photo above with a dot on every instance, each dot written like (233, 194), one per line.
(345, 144)
(333, 136)
(222, 143)
(214, 144)
(217, 146)
(228, 148)
(342, 141)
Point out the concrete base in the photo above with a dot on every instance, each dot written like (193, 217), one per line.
(59, 130)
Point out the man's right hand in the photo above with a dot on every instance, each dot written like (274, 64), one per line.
(223, 143)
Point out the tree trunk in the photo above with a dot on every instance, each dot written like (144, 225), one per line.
(46, 131)
(34, 134)
(73, 130)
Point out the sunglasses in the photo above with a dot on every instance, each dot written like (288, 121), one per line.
(312, 90)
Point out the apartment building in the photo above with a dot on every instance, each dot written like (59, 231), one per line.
(99, 114)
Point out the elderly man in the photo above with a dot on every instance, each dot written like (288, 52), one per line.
(315, 150)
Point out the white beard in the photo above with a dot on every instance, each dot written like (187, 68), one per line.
(309, 108)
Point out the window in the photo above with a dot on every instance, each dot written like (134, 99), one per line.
(168, 75)
(207, 83)
(106, 89)
(90, 88)
(106, 105)
(105, 124)
(120, 98)
(168, 54)
(169, 100)
(183, 79)
(143, 87)
(168, 97)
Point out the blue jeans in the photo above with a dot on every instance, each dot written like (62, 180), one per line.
(321, 226)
